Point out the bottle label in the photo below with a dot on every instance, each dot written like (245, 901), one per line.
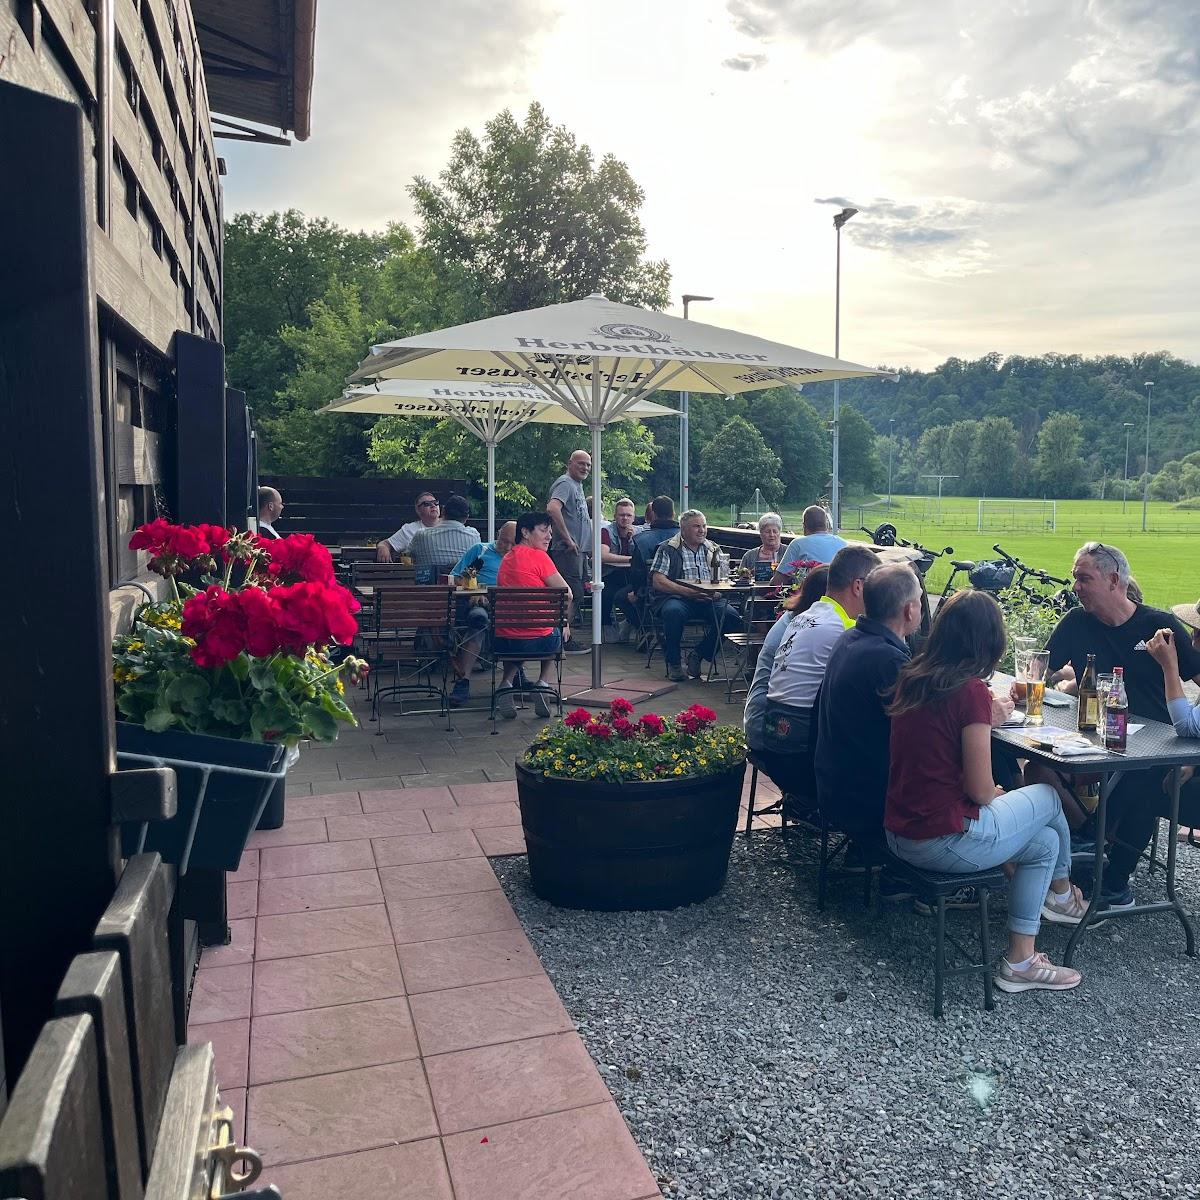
(1089, 711)
(1116, 724)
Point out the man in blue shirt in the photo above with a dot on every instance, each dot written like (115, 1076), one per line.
(473, 617)
(818, 544)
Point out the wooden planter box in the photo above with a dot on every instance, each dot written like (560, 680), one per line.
(610, 846)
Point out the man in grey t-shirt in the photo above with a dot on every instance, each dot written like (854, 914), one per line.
(568, 511)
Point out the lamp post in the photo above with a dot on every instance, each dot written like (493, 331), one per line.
(1146, 485)
(684, 402)
(891, 448)
(835, 498)
(1125, 487)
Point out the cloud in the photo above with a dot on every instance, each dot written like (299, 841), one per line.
(941, 238)
(745, 62)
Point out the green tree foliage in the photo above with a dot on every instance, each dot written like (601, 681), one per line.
(1058, 468)
(1179, 479)
(795, 432)
(737, 461)
(525, 217)
(859, 464)
(994, 464)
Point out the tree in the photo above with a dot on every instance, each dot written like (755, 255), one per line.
(525, 217)
(960, 441)
(993, 461)
(857, 460)
(931, 450)
(795, 431)
(1058, 470)
(737, 461)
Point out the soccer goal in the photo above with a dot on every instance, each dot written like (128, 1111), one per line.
(1032, 515)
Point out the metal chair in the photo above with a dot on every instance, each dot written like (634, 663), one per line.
(413, 634)
(758, 616)
(530, 611)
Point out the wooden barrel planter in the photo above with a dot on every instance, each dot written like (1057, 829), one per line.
(610, 846)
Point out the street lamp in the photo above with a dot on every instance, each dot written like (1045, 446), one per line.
(891, 448)
(1125, 489)
(1146, 485)
(835, 499)
(684, 401)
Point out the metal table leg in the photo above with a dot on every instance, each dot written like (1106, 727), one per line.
(1172, 846)
(1106, 787)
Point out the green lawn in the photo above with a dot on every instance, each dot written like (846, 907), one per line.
(1164, 559)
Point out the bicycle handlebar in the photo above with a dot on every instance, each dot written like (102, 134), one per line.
(1041, 576)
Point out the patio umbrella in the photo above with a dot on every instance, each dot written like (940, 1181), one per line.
(596, 358)
(491, 412)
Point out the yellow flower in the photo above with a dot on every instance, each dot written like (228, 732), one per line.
(678, 770)
(638, 766)
(341, 688)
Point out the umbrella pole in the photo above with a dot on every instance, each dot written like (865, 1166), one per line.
(597, 519)
(491, 487)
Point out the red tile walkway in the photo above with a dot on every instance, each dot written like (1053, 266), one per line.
(381, 1023)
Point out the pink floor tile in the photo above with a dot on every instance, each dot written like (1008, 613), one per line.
(236, 1099)
(247, 868)
(340, 804)
(475, 816)
(349, 1110)
(231, 1043)
(321, 980)
(511, 1081)
(485, 793)
(385, 824)
(581, 1152)
(281, 862)
(321, 1040)
(423, 848)
(241, 899)
(289, 935)
(239, 950)
(502, 839)
(438, 879)
(412, 1171)
(221, 994)
(432, 917)
(488, 1013)
(461, 961)
(299, 893)
(293, 833)
(401, 799)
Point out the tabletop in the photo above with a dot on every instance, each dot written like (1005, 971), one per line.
(1156, 744)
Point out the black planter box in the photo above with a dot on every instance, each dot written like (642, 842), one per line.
(609, 846)
(208, 832)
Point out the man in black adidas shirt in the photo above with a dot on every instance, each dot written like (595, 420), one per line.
(1116, 629)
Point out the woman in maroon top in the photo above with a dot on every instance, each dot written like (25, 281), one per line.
(944, 811)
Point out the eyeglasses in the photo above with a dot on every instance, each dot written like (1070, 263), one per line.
(429, 504)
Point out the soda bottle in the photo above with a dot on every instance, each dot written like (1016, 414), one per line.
(1116, 714)
(1089, 698)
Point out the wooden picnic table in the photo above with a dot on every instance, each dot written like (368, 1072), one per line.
(1155, 745)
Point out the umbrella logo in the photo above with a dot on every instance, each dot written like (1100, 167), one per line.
(625, 332)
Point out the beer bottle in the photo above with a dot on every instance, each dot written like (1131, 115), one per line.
(1116, 714)
(1089, 698)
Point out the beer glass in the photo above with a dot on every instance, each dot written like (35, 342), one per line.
(1023, 647)
(1103, 683)
(1035, 685)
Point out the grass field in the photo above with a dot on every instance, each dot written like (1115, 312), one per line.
(1164, 560)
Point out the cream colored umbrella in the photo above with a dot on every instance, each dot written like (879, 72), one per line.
(596, 358)
(491, 412)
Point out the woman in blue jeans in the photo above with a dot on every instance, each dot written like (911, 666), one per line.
(944, 811)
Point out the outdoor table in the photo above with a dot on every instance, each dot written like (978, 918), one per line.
(1154, 746)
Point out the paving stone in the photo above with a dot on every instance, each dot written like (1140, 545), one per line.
(367, 784)
(425, 847)
(301, 893)
(289, 935)
(410, 1171)
(339, 804)
(437, 879)
(319, 859)
(460, 961)
(324, 980)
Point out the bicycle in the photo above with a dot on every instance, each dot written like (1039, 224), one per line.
(1062, 600)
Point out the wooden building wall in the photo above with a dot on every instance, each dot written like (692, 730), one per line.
(134, 68)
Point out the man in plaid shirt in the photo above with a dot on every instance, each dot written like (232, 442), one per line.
(436, 550)
(689, 555)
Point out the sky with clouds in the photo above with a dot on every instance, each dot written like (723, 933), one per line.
(1026, 170)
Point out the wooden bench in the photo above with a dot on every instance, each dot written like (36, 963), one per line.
(109, 1106)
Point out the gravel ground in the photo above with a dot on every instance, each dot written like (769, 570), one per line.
(759, 1048)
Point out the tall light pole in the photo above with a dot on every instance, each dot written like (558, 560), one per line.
(1125, 488)
(1146, 485)
(891, 448)
(835, 498)
(684, 402)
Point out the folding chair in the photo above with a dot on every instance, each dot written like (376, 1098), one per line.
(526, 609)
(373, 575)
(758, 616)
(413, 634)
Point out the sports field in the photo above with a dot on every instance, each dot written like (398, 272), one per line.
(1165, 560)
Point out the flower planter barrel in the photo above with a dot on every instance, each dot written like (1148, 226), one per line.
(610, 846)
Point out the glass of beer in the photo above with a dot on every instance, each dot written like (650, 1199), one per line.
(1023, 649)
(1035, 685)
(1103, 682)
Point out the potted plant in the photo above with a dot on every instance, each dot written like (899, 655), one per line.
(229, 673)
(623, 813)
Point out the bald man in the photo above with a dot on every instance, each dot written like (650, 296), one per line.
(571, 521)
(270, 509)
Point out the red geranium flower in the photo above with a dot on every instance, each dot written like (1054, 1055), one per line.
(625, 727)
(620, 707)
(577, 719)
(703, 714)
(300, 558)
(309, 614)
(598, 729)
(652, 724)
(213, 618)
